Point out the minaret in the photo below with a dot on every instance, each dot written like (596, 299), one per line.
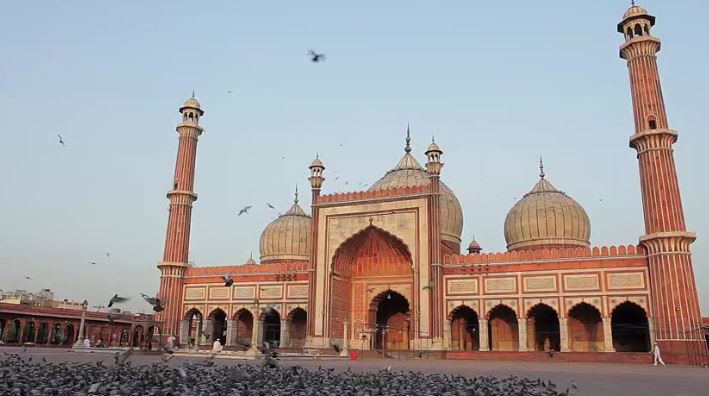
(433, 166)
(316, 180)
(172, 268)
(674, 301)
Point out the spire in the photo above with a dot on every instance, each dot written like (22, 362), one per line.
(632, 3)
(541, 167)
(407, 149)
(193, 93)
(296, 194)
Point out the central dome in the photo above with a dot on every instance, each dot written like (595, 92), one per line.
(409, 173)
(546, 218)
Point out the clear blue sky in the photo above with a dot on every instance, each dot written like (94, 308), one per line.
(498, 83)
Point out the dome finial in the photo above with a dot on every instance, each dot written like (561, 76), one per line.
(296, 194)
(632, 3)
(407, 149)
(541, 167)
(193, 92)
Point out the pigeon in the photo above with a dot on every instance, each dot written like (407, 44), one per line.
(108, 254)
(112, 314)
(153, 301)
(316, 57)
(228, 281)
(244, 210)
(61, 140)
(228, 91)
(92, 262)
(116, 299)
(270, 206)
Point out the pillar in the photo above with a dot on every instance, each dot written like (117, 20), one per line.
(207, 326)
(522, 334)
(184, 335)
(255, 336)
(484, 338)
(230, 333)
(80, 334)
(284, 339)
(607, 335)
(564, 334)
(651, 329)
(345, 338)
(447, 335)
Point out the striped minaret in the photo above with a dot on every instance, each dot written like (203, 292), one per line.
(674, 301)
(177, 242)
(433, 166)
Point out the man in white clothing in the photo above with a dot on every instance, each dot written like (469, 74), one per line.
(656, 354)
(87, 342)
(217, 346)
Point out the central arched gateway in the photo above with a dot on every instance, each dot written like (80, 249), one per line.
(391, 314)
(371, 266)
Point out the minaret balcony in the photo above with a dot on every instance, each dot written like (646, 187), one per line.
(653, 139)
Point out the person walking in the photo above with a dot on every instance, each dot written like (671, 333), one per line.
(656, 354)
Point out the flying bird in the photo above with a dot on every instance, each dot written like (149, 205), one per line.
(61, 140)
(316, 57)
(243, 210)
(27, 277)
(112, 314)
(228, 91)
(92, 262)
(228, 281)
(270, 206)
(116, 299)
(153, 301)
(108, 254)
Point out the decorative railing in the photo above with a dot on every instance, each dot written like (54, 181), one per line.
(373, 194)
(545, 254)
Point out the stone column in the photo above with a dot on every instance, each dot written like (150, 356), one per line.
(651, 329)
(230, 333)
(255, 337)
(184, 335)
(607, 335)
(564, 334)
(206, 330)
(447, 335)
(22, 333)
(484, 343)
(284, 337)
(522, 334)
(80, 335)
(345, 338)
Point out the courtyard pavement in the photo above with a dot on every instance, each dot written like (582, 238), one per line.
(591, 378)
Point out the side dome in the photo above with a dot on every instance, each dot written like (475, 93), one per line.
(287, 237)
(409, 173)
(546, 218)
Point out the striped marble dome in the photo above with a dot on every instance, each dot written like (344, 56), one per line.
(409, 173)
(287, 237)
(546, 218)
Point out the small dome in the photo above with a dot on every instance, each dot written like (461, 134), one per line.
(409, 173)
(317, 163)
(634, 11)
(287, 237)
(474, 245)
(251, 260)
(433, 147)
(192, 102)
(546, 218)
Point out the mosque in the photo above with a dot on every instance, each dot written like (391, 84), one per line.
(382, 269)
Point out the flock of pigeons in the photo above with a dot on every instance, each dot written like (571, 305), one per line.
(20, 376)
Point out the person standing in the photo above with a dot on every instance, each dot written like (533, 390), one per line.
(217, 346)
(171, 343)
(87, 342)
(656, 354)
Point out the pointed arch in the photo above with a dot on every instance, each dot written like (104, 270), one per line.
(218, 319)
(297, 320)
(630, 328)
(372, 251)
(503, 332)
(390, 313)
(543, 331)
(465, 330)
(244, 326)
(585, 328)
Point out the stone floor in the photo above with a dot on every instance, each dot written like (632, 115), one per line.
(591, 378)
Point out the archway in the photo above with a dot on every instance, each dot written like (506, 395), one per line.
(138, 336)
(13, 332)
(271, 327)
(244, 327)
(3, 331)
(390, 311)
(29, 333)
(465, 333)
(503, 329)
(152, 337)
(371, 255)
(585, 329)
(42, 334)
(297, 320)
(543, 328)
(57, 334)
(124, 338)
(218, 318)
(629, 326)
(194, 326)
(69, 336)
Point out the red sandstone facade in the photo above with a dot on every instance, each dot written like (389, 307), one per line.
(381, 269)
